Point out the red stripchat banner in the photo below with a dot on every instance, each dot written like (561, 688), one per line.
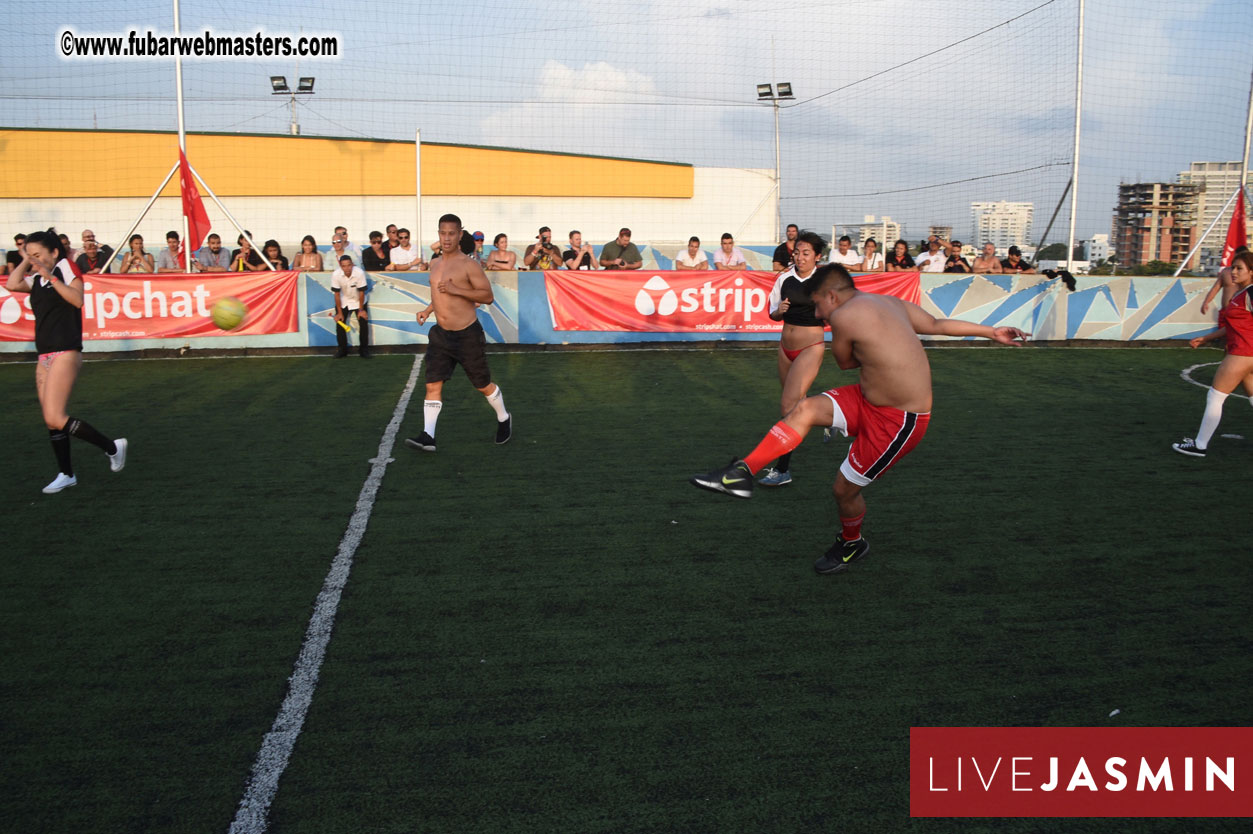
(117, 307)
(1081, 771)
(683, 301)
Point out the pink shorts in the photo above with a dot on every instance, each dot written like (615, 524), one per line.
(46, 359)
(882, 435)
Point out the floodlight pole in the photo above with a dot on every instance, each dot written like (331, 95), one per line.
(1248, 134)
(1074, 165)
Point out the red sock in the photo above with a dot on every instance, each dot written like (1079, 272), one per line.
(852, 527)
(781, 439)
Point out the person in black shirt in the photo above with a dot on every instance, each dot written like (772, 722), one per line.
(245, 258)
(56, 299)
(375, 257)
(955, 261)
(900, 259)
(783, 252)
(801, 344)
(275, 253)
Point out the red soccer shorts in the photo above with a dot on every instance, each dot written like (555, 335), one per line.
(882, 435)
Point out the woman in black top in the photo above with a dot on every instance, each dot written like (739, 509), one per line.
(802, 342)
(900, 259)
(275, 253)
(56, 299)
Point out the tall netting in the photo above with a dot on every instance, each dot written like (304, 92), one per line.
(900, 110)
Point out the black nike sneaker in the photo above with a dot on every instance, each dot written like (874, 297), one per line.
(841, 554)
(504, 430)
(734, 479)
(423, 441)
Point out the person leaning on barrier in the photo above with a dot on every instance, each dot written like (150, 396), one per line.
(729, 255)
(580, 254)
(955, 262)
(500, 258)
(93, 259)
(308, 259)
(621, 253)
(245, 258)
(872, 259)
(543, 253)
(899, 259)
(783, 252)
(844, 254)
(375, 257)
(405, 256)
(988, 263)
(693, 257)
(933, 259)
(168, 259)
(274, 253)
(340, 246)
(211, 257)
(1014, 263)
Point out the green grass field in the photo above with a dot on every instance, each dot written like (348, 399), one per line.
(560, 634)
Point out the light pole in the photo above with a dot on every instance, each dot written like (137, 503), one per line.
(304, 87)
(767, 92)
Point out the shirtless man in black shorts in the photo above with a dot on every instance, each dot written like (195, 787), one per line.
(458, 285)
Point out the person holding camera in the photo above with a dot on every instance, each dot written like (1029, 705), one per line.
(543, 254)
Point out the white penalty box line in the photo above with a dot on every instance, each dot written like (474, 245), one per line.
(277, 746)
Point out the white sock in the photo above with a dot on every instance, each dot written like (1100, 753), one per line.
(430, 411)
(497, 401)
(1213, 413)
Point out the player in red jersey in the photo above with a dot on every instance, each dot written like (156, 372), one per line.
(1235, 321)
(886, 413)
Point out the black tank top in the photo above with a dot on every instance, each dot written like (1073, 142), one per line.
(58, 323)
(800, 310)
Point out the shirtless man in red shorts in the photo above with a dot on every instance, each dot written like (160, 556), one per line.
(886, 414)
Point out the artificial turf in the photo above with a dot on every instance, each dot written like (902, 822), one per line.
(560, 634)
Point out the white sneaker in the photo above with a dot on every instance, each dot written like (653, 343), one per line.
(59, 483)
(772, 477)
(118, 459)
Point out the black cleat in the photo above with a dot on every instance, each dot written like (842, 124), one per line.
(841, 554)
(1188, 446)
(734, 479)
(504, 430)
(423, 441)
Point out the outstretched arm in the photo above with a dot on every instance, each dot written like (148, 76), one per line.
(926, 324)
(1211, 336)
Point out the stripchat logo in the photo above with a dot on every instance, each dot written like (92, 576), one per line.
(11, 308)
(657, 297)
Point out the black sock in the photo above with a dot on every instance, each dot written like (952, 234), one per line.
(83, 431)
(61, 448)
(783, 462)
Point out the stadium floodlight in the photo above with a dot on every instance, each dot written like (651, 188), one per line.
(766, 92)
(279, 83)
(306, 85)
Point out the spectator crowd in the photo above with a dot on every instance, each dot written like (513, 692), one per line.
(394, 250)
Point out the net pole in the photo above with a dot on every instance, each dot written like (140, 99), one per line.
(1196, 246)
(417, 187)
(126, 237)
(1074, 165)
(182, 132)
(1248, 134)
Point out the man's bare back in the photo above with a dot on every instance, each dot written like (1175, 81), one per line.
(877, 333)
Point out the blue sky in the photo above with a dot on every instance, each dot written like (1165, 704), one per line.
(920, 108)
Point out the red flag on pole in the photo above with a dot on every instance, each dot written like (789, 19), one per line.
(1236, 233)
(193, 206)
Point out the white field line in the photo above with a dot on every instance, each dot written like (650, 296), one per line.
(277, 746)
(1186, 374)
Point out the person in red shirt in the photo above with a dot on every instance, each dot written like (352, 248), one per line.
(1235, 321)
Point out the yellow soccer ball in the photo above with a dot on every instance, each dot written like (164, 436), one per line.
(228, 313)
